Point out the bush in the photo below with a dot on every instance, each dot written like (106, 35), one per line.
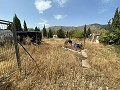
(60, 33)
(103, 39)
(28, 40)
(77, 34)
(111, 37)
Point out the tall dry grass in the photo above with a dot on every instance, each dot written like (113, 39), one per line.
(59, 69)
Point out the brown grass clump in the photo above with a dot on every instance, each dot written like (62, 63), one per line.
(60, 69)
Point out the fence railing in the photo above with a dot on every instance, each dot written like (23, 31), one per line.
(14, 56)
(8, 63)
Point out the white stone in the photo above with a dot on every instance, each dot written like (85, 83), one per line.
(85, 63)
(97, 41)
(100, 88)
(84, 54)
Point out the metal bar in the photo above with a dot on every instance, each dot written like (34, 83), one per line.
(5, 21)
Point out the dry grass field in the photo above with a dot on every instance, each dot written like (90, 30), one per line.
(60, 69)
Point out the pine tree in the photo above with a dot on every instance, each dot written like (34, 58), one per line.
(109, 25)
(37, 29)
(116, 20)
(9, 26)
(50, 34)
(60, 33)
(44, 32)
(85, 30)
(88, 32)
(25, 26)
(17, 23)
(84, 35)
(119, 20)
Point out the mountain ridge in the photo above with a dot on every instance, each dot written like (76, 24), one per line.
(94, 26)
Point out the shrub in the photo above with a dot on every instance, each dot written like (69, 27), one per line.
(77, 34)
(60, 33)
(28, 40)
(111, 37)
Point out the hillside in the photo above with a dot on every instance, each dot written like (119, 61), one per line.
(91, 26)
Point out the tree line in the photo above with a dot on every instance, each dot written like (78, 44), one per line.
(112, 35)
(49, 33)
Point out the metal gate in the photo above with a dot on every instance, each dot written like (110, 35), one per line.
(14, 57)
(8, 50)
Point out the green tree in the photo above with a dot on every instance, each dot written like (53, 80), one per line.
(85, 30)
(50, 34)
(109, 25)
(17, 23)
(77, 34)
(31, 29)
(88, 32)
(60, 33)
(9, 26)
(85, 34)
(25, 26)
(113, 35)
(116, 20)
(44, 32)
(37, 29)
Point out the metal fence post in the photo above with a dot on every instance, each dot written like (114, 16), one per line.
(16, 47)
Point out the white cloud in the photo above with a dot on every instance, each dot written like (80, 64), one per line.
(43, 22)
(102, 11)
(58, 16)
(61, 2)
(42, 5)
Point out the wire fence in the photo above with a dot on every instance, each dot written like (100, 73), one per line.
(14, 56)
(8, 63)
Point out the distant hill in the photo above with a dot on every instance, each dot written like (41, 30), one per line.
(69, 28)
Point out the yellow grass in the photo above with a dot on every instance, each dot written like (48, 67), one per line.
(59, 69)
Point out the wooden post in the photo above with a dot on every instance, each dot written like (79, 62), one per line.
(16, 47)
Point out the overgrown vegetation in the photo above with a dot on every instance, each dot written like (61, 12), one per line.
(61, 69)
(44, 32)
(112, 36)
(79, 34)
(50, 33)
(61, 33)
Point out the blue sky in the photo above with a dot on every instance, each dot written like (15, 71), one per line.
(58, 12)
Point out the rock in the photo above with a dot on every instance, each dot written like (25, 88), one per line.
(100, 88)
(84, 54)
(85, 63)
